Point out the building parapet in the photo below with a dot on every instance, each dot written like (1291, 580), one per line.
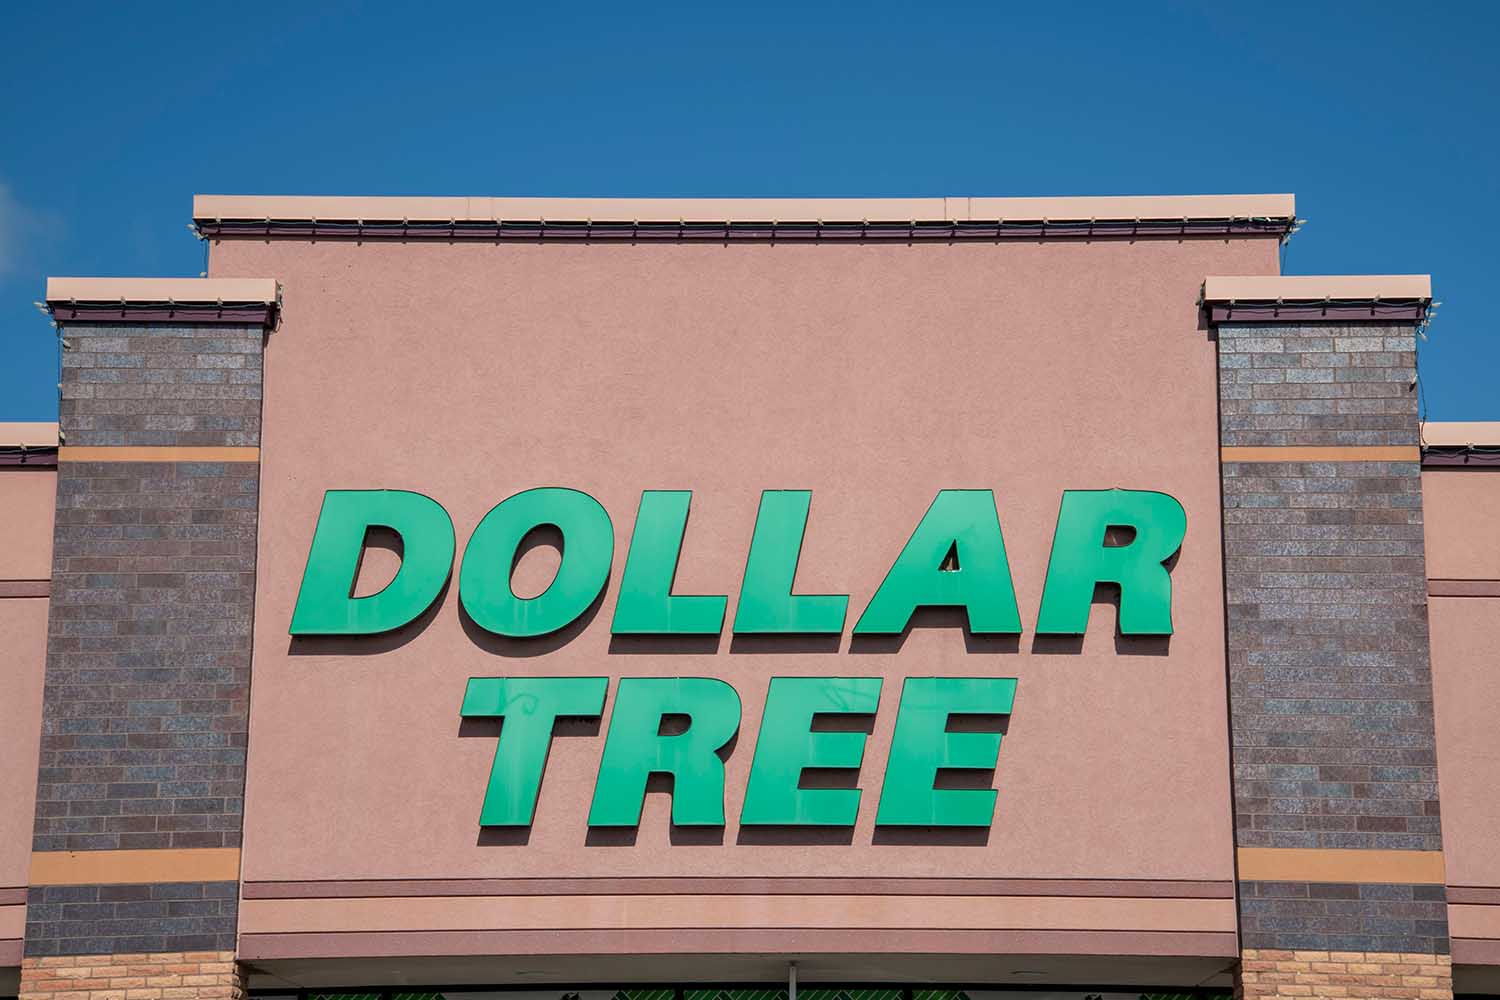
(219, 216)
(164, 300)
(29, 443)
(1449, 444)
(1317, 298)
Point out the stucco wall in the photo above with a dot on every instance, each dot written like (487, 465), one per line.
(1463, 556)
(1461, 507)
(873, 375)
(26, 504)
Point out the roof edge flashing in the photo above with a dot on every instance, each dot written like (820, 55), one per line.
(240, 301)
(1351, 298)
(1317, 288)
(1461, 434)
(1274, 213)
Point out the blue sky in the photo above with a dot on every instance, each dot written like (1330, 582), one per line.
(1381, 117)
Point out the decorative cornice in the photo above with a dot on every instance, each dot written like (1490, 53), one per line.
(720, 219)
(240, 301)
(29, 456)
(676, 941)
(25, 588)
(1463, 588)
(1461, 433)
(1317, 298)
(739, 885)
(1460, 457)
(1463, 444)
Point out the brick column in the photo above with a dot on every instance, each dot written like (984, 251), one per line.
(135, 865)
(1335, 774)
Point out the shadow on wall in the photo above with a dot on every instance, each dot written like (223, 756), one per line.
(936, 618)
(488, 728)
(771, 835)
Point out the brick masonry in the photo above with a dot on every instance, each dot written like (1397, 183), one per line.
(1352, 974)
(149, 636)
(162, 385)
(177, 975)
(148, 656)
(1330, 685)
(167, 916)
(1411, 919)
(1317, 384)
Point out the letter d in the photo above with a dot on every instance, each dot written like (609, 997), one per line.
(325, 603)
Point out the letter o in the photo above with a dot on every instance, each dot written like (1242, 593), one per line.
(484, 582)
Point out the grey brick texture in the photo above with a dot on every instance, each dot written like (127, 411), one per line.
(1341, 916)
(148, 656)
(1329, 679)
(146, 698)
(126, 919)
(144, 385)
(1330, 688)
(1282, 384)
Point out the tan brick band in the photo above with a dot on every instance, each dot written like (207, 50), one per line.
(1340, 453)
(204, 864)
(1291, 864)
(103, 453)
(1351, 974)
(193, 975)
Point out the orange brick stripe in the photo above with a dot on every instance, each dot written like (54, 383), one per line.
(1316, 453)
(1314, 864)
(164, 453)
(190, 864)
(1269, 973)
(193, 975)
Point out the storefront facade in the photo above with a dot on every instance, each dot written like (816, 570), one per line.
(980, 595)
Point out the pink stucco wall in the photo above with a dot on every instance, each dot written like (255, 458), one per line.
(873, 375)
(26, 508)
(23, 637)
(27, 498)
(1460, 508)
(1466, 695)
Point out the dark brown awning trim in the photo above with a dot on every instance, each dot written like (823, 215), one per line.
(238, 314)
(805, 231)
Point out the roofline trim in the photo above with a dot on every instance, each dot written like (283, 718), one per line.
(719, 219)
(1318, 298)
(29, 433)
(208, 207)
(1471, 444)
(1461, 433)
(239, 301)
(1317, 288)
(196, 291)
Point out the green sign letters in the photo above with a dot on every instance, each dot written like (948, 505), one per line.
(680, 727)
(707, 712)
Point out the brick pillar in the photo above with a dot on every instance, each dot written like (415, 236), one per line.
(194, 975)
(1339, 842)
(135, 864)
